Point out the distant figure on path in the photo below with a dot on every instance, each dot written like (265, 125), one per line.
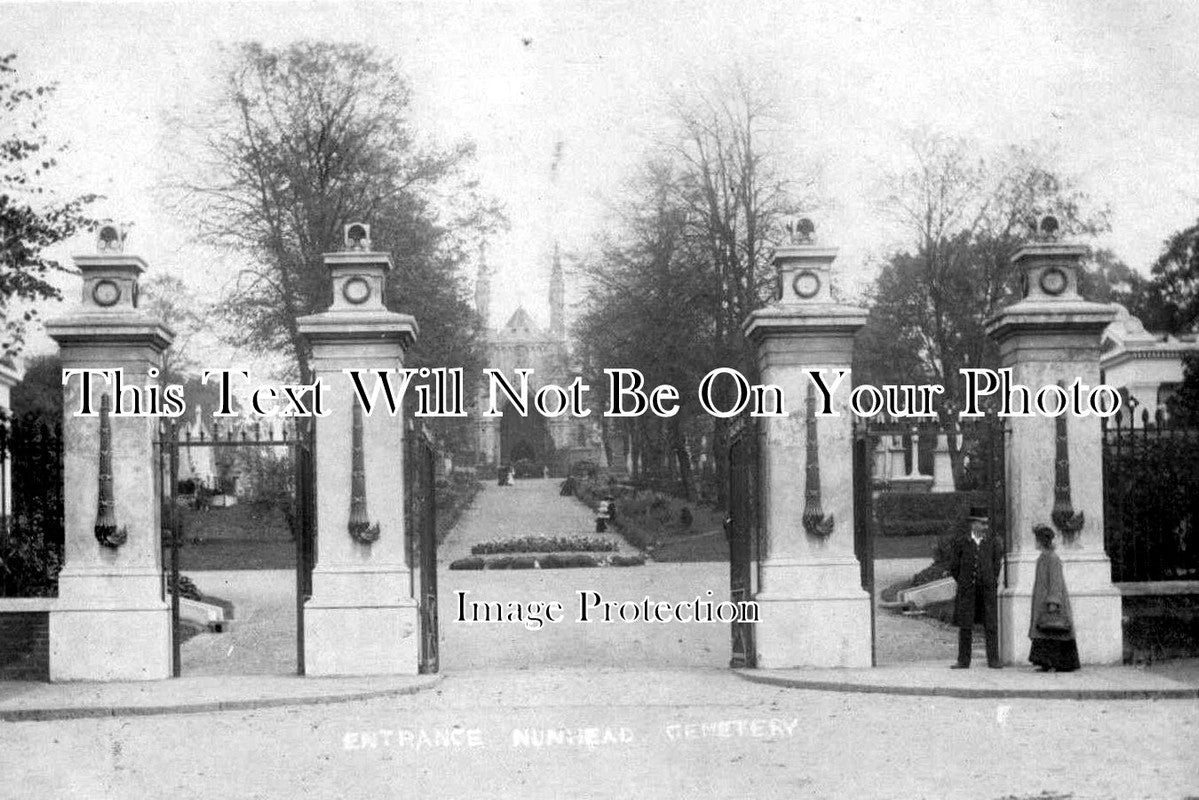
(974, 564)
(1052, 625)
(604, 513)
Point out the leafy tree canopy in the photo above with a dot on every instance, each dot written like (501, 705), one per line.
(966, 216)
(1183, 407)
(1174, 297)
(32, 218)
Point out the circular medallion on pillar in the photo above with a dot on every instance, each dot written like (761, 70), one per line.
(106, 293)
(1054, 281)
(356, 290)
(806, 284)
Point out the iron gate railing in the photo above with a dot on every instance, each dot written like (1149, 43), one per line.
(421, 528)
(295, 435)
(743, 528)
(1151, 498)
(980, 477)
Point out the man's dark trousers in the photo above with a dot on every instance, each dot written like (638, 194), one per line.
(966, 636)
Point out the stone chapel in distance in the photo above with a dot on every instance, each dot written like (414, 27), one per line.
(556, 443)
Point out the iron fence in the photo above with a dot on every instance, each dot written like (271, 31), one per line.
(31, 508)
(1151, 498)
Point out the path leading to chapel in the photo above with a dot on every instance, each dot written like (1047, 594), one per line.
(534, 507)
(531, 507)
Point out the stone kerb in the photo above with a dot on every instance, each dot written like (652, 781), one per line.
(1053, 335)
(362, 617)
(813, 610)
(111, 621)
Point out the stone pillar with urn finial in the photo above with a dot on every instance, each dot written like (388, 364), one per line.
(362, 617)
(813, 611)
(112, 620)
(1055, 465)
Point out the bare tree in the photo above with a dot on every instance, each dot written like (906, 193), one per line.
(965, 217)
(169, 299)
(736, 196)
(689, 258)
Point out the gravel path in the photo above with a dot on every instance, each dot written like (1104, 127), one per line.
(262, 639)
(468, 645)
(532, 507)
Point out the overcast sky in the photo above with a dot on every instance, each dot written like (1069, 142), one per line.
(1110, 86)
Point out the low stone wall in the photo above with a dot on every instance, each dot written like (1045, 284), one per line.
(25, 639)
(1161, 620)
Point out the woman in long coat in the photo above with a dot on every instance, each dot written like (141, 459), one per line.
(1052, 625)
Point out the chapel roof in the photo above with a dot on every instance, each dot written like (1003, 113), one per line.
(521, 322)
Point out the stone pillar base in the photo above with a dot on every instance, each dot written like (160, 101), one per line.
(1095, 602)
(110, 625)
(110, 644)
(812, 615)
(369, 639)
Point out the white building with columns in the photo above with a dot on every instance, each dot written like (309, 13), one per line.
(1146, 366)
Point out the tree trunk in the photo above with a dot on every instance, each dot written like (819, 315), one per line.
(720, 456)
(683, 456)
(956, 461)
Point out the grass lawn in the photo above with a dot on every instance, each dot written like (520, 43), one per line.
(246, 536)
(665, 538)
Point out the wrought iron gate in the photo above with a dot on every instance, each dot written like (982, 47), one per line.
(297, 437)
(421, 528)
(863, 522)
(883, 464)
(743, 529)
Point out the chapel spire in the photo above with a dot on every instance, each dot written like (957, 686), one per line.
(483, 288)
(557, 297)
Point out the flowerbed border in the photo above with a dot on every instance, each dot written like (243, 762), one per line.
(547, 561)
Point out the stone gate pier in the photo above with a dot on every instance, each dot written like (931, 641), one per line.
(1055, 465)
(813, 611)
(362, 617)
(111, 620)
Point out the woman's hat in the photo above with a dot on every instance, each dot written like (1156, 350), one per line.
(979, 513)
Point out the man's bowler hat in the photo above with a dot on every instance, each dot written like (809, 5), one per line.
(979, 513)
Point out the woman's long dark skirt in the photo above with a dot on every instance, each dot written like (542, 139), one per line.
(1055, 653)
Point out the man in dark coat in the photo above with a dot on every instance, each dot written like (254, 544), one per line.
(975, 563)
